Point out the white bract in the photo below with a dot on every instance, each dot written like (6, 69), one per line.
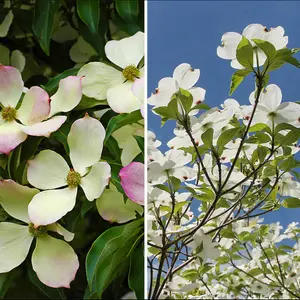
(230, 41)
(102, 81)
(50, 172)
(53, 260)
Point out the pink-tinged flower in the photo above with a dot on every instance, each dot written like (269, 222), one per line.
(53, 260)
(35, 114)
(132, 181)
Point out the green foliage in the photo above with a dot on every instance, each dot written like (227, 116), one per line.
(111, 253)
(237, 79)
(89, 13)
(244, 53)
(44, 12)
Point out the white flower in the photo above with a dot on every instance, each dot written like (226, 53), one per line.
(49, 171)
(230, 41)
(185, 77)
(54, 261)
(203, 246)
(102, 81)
(270, 109)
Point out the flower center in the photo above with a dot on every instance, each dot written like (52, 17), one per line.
(9, 113)
(73, 178)
(36, 231)
(131, 72)
(272, 115)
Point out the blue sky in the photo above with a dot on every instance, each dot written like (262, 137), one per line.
(190, 31)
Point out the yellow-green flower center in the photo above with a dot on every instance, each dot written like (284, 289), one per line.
(36, 231)
(73, 178)
(131, 72)
(9, 113)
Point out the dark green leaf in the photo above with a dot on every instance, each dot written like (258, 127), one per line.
(52, 85)
(89, 13)
(186, 100)
(113, 148)
(109, 252)
(44, 11)
(86, 103)
(136, 274)
(128, 10)
(201, 106)
(140, 142)
(120, 121)
(226, 136)
(207, 137)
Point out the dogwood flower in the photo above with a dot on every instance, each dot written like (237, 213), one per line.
(230, 41)
(53, 260)
(203, 246)
(185, 77)
(49, 171)
(132, 181)
(35, 110)
(271, 111)
(173, 163)
(102, 81)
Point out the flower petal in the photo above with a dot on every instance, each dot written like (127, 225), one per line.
(125, 52)
(14, 198)
(97, 78)
(112, 208)
(15, 242)
(35, 106)
(56, 227)
(132, 181)
(48, 170)
(186, 76)
(11, 86)
(48, 207)
(86, 143)
(54, 262)
(95, 182)
(11, 136)
(230, 41)
(18, 60)
(68, 95)
(138, 88)
(45, 128)
(5, 25)
(121, 99)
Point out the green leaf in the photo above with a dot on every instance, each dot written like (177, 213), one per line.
(244, 53)
(5, 280)
(113, 148)
(140, 142)
(162, 187)
(89, 13)
(268, 49)
(176, 183)
(86, 103)
(287, 164)
(262, 152)
(283, 56)
(291, 202)
(201, 106)
(52, 85)
(226, 136)
(186, 99)
(237, 78)
(44, 11)
(120, 121)
(170, 111)
(258, 127)
(269, 171)
(128, 10)
(136, 274)
(207, 137)
(109, 253)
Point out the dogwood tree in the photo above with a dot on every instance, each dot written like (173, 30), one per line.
(227, 167)
(71, 149)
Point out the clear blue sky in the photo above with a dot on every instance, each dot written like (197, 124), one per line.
(190, 31)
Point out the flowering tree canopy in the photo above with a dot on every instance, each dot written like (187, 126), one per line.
(227, 167)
